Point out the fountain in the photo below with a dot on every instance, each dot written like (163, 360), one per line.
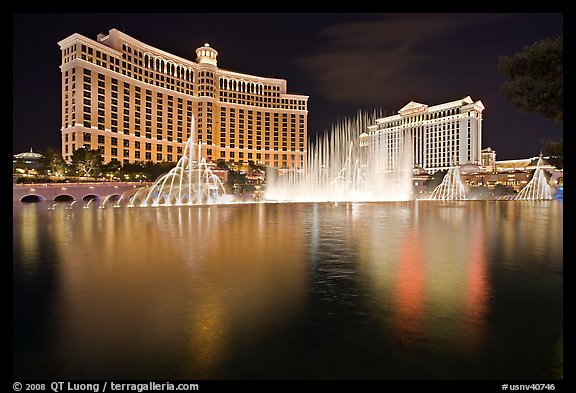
(537, 188)
(451, 187)
(190, 182)
(347, 165)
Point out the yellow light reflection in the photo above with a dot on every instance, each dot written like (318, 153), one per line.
(153, 280)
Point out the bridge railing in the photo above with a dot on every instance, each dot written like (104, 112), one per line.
(82, 184)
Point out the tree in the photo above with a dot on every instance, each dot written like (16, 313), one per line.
(87, 162)
(221, 163)
(253, 167)
(534, 78)
(236, 182)
(232, 165)
(155, 170)
(555, 151)
(501, 190)
(134, 171)
(436, 180)
(54, 163)
(111, 169)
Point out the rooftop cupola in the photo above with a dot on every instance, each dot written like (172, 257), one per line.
(206, 55)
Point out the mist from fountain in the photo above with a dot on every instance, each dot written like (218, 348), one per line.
(190, 182)
(538, 187)
(451, 187)
(347, 165)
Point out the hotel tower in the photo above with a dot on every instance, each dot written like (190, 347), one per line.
(433, 137)
(134, 102)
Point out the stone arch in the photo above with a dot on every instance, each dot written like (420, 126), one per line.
(32, 198)
(89, 197)
(63, 198)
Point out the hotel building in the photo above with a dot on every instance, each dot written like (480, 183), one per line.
(135, 102)
(435, 137)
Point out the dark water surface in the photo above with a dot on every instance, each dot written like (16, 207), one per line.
(402, 290)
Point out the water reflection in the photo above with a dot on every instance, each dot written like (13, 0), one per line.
(346, 290)
(430, 276)
(409, 290)
(477, 284)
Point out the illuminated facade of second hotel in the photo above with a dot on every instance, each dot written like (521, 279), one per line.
(135, 102)
(439, 137)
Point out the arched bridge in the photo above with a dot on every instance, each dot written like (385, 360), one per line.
(67, 192)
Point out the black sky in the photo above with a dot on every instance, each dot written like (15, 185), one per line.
(345, 62)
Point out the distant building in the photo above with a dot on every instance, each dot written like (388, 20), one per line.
(28, 157)
(437, 137)
(515, 180)
(514, 174)
(27, 163)
(135, 102)
(529, 165)
(489, 173)
(420, 179)
(488, 159)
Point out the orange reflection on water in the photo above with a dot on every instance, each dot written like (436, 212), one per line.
(409, 292)
(432, 276)
(477, 287)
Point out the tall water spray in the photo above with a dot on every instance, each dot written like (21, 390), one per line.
(190, 182)
(451, 187)
(538, 187)
(347, 164)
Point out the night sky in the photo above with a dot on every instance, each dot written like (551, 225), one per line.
(344, 62)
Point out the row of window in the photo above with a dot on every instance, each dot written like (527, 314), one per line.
(159, 107)
(266, 102)
(168, 74)
(430, 147)
(87, 137)
(411, 122)
(168, 67)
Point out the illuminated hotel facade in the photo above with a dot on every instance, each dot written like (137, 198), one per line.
(435, 137)
(134, 102)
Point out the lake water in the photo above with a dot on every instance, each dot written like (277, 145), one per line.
(391, 291)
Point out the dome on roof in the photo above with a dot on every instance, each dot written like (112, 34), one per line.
(29, 155)
(469, 168)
